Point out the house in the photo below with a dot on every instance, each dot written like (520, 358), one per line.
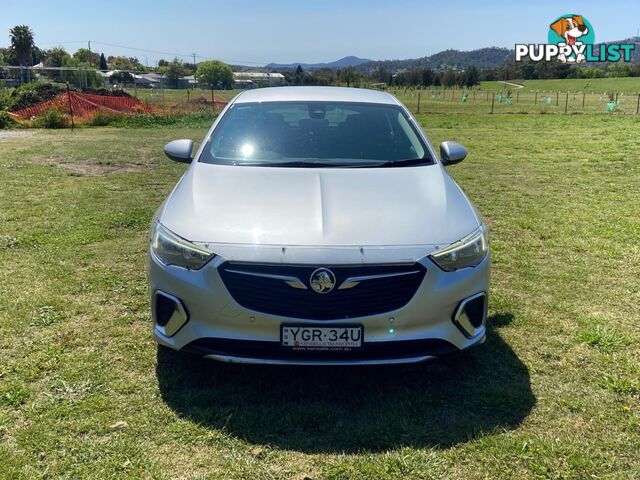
(191, 81)
(251, 79)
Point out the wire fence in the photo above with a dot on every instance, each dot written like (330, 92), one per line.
(184, 95)
(84, 92)
(441, 100)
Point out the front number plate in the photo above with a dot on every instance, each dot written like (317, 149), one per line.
(337, 338)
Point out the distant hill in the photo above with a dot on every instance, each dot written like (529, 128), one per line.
(482, 58)
(349, 61)
(489, 57)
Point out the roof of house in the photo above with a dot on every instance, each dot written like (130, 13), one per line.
(257, 75)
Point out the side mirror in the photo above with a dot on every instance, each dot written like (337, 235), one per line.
(452, 152)
(179, 150)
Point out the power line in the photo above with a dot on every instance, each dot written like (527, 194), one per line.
(159, 52)
(186, 55)
(182, 55)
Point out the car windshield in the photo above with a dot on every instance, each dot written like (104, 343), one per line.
(315, 134)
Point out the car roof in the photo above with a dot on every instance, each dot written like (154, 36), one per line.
(316, 94)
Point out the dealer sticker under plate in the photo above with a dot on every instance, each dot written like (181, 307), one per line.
(334, 338)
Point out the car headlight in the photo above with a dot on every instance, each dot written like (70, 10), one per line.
(468, 252)
(175, 250)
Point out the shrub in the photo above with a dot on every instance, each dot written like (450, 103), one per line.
(195, 119)
(52, 118)
(5, 99)
(31, 94)
(103, 119)
(5, 120)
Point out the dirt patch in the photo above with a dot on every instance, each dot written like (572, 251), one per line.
(91, 168)
(14, 134)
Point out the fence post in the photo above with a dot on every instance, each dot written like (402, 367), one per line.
(453, 94)
(616, 98)
(583, 94)
(418, 102)
(213, 101)
(493, 99)
(638, 106)
(474, 95)
(535, 100)
(70, 108)
(517, 97)
(566, 102)
(557, 98)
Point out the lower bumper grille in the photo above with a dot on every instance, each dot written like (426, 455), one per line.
(273, 350)
(475, 311)
(358, 291)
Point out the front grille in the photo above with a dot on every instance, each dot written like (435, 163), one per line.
(273, 350)
(250, 286)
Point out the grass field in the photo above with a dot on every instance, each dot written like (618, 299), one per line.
(553, 393)
(627, 85)
(170, 97)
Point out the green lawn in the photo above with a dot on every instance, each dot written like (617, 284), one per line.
(553, 393)
(626, 85)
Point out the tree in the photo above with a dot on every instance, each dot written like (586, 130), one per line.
(215, 74)
(124, 63)
(298, 76)
(54, 57)
(619, 70)
(103, 63)
(22, 43)
(449, 79)
(83, 78)
(174, 71)
(121, 77)
(85, 55)
(471, 76)
(348, 75)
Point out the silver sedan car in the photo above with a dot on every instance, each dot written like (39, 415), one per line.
(317, 225)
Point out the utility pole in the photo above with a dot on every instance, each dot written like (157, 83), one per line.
(89, 43)
(194, 60)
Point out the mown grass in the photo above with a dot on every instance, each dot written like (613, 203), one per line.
(553, 393)
(627, 85)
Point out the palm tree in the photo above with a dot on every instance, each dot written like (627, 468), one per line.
(22, 42)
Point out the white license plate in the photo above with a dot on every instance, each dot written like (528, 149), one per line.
(340, 338)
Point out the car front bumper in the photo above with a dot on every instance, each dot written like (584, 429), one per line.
(430, 325)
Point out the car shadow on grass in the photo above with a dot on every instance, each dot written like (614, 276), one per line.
(354, 409)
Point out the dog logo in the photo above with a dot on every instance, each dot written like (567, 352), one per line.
(573, 31)
(571, 39)
(322, 280)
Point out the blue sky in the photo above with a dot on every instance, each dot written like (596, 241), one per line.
(258, 32)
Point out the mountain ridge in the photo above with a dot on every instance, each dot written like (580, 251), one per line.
(348, 61)
(486, 57)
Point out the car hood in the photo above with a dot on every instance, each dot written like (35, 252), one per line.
(319, 207)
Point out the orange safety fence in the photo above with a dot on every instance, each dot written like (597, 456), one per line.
(86, 105)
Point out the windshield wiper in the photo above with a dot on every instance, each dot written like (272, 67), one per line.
(311, 164)
(299, 164)
(405, 163)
